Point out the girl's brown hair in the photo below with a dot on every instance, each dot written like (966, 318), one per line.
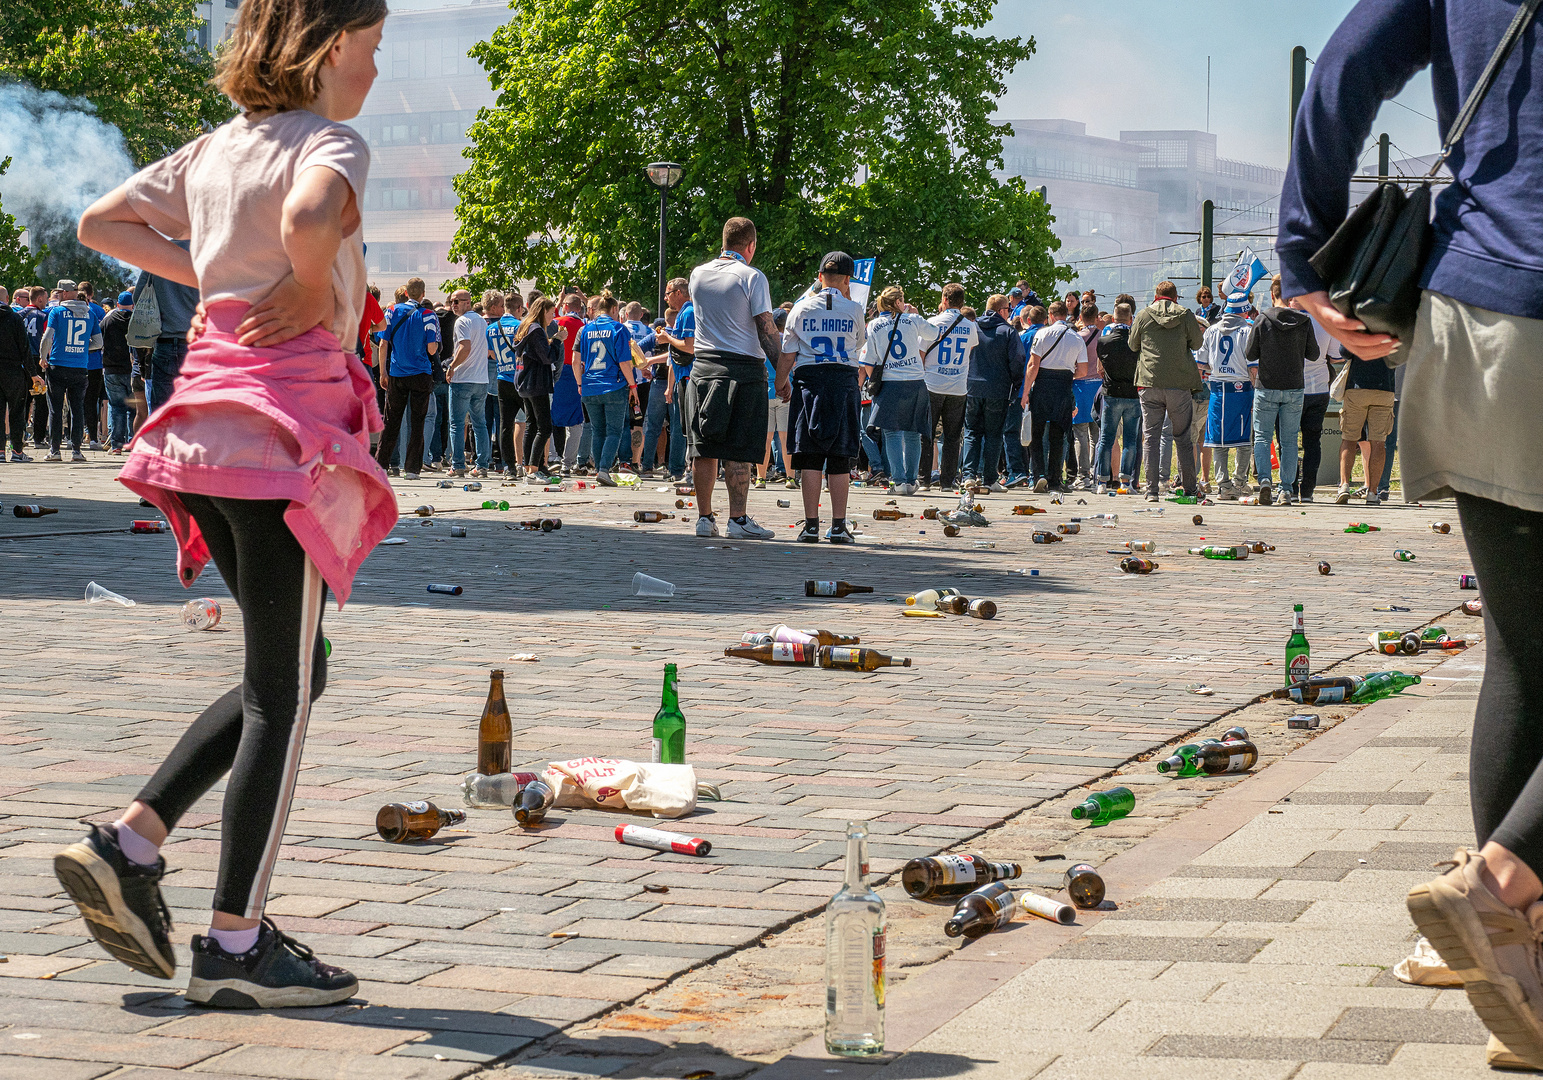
(536, 316)
(275, 56)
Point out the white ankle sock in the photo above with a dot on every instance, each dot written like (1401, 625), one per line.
(235, 942)
(136, 849)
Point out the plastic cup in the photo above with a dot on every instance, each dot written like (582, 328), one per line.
(643, 585)
(95, 594)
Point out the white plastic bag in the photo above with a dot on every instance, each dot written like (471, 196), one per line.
(1424, 967)
(1026, 429)
(666, 791)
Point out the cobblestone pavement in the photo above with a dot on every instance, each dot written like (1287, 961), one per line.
(1268, 954)
(1083, 670)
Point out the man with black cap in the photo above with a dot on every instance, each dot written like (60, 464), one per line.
(724, 410)
(817, 373)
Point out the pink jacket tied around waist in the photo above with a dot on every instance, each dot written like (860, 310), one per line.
(292, 421)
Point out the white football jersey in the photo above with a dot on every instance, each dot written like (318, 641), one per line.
(1221, 351)
(827, 328)
(948, 364)
(896, 344)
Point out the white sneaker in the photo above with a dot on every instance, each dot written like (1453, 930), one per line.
(996, 488)
(906, 489)
(1101, 489)
(706, 526)
(745, 530)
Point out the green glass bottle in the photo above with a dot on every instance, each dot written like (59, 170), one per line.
(670, 723)
(1182, 762)
(1102, 807)
(1215, 551)
(1382, 684)
(1298, 656)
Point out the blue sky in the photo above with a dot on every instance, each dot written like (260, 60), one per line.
(1123, 64)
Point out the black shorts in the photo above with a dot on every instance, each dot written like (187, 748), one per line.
(825, 418)
(724, 409)
(830, 464)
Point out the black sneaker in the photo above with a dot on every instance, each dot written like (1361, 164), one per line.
(840, 532)
(120, 901)
(1266, 497)
(278, 972)
(810, 533)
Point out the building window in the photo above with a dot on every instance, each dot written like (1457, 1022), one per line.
(428, 58)
(410, 257)
(410, 193)
(413, 129)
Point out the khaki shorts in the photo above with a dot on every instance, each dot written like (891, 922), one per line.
(1371, 408)
(777, 415)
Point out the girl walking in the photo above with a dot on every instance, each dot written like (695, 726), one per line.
(260, 460)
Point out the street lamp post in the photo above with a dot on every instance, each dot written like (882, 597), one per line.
(1106, 236)
(664, 175)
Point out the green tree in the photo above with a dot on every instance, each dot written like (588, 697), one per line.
(859, 125)
(136, 60)
(17, 262)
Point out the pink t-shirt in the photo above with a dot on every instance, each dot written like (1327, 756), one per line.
(225, 193)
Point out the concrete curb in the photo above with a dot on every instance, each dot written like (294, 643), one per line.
(933, 997)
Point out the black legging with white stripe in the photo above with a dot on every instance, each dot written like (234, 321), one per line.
(256, 731)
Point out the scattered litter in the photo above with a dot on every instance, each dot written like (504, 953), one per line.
(1302, 721)
(563, 933)
(525, 657)
(1049, 858)
(1467, 581)
(1200, 688)
(643, 585)
(1389, 607)
(1324, 568)
(458, 530)
(95, 594)
(392, 541)
(448, 590)
(661, 840)
(657, 889)
(201, 614)
(1424, 967)
(699, 1074)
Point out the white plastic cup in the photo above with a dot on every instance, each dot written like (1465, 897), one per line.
(643, 585)
(95, 594)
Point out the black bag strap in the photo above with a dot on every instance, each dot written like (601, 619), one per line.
(889, 349)
(959, 318)
(1513, 34)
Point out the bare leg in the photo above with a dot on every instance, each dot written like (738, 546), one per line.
(146, 822)
(810, 487)
(736, 477)
(1374, 462)
(840, 485)
(704, 474)
(1347, 452)
(765, 466)
(1512, 880)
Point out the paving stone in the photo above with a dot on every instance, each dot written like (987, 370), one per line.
(1343, 1051)
(569, 1065)
(26, 1068)
(1207, 949)
(463, 1046)
(286, 1063)
(1409, 1025)
(1210, 910)
(1358, 798)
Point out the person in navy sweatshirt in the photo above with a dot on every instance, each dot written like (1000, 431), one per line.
(1470, 404)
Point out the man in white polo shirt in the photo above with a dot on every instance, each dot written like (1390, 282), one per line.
(725, 410)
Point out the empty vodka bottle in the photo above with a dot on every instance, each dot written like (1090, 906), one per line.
(854, 958)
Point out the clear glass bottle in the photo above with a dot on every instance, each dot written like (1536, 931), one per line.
(854, 958)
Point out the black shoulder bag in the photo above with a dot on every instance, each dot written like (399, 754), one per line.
(1373, 262)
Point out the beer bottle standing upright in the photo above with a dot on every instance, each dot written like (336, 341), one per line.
(854, 958)
(670, 723)
(1298, 659)
(494, 732)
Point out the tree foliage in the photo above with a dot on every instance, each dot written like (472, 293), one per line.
(857, 125)
(17, 262)
(133, 59)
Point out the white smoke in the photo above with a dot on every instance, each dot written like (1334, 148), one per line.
(63, 156)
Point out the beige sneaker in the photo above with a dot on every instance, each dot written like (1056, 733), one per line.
(1496, 1056)
(1492, 947)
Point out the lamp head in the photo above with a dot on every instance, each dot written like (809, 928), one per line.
(664, 174)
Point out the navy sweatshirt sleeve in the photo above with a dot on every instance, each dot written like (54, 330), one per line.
(1488, 246)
